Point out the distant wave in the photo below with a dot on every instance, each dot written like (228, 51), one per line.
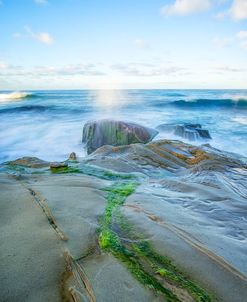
(174, 94)
(42, 108)
(236, 97)
(206, 103)
(14, 96)
(36, 108)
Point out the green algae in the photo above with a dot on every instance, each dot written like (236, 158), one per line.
(81, 168)
(166, 269)
(65, 170)
(146, 265)
(115, 198)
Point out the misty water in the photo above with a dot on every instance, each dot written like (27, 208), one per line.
(48, 124)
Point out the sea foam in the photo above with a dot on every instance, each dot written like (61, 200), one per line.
(240, 120)
(236, 97)
(13, 96)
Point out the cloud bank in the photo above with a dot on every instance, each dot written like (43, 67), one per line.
(185, 7)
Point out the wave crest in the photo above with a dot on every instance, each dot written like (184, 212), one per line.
(236, 97)
(14, 95)
(205, 103)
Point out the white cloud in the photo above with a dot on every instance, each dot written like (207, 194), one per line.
(3, 65)
(147, 70)
(43, 2)
(185, 7)
(42, 37)
(140, 43)
(69, 70)
(238, 10)
(221, 15)
(244, 44)
(242, 34)
(225, 68)
(80, 69)
(222, 42)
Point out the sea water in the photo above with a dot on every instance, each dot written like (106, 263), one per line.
(48, 124)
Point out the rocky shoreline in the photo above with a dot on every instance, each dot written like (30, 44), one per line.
(155, 221)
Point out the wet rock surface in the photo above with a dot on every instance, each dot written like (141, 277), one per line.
(116, 133)
(72, 156)
(31, 162)
(31, 262)
(114, 220)
(192, 132)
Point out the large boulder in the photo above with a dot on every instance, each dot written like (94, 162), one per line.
(115, 133)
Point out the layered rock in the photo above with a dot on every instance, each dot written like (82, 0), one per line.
(115, 133)
(187, 205)
(148, 158)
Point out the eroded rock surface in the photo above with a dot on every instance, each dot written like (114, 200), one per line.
(113, 221)
(31, 261)
(31, 162)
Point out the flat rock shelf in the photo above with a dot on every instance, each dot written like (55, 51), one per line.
(143, 222)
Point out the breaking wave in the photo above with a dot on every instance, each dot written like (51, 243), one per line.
(14, 96)
(240, 120)
(233, 103)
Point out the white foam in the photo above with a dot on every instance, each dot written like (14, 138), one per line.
(236, 97)
(240, 120)
(240, 97)
(13, 96)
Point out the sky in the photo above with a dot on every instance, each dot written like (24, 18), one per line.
(116, 44)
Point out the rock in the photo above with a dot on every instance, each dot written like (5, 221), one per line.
(57, 165)
(115, 133)
(30, 162)
(149, 158)
(31, 261)
(161, 156)
(188, 206)
(72, 156)
(191, 132)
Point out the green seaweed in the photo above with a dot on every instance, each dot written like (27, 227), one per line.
(141, 259)
(65, 170)
(81, 168)
(166, 269)
(116, 197)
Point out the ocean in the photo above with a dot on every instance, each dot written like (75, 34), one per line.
(48, 124)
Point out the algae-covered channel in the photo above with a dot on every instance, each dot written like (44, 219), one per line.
(119, 237)
(156, 272)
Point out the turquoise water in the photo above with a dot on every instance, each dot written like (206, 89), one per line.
(48, 124)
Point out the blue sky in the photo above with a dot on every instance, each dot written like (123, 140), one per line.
(76, 44)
